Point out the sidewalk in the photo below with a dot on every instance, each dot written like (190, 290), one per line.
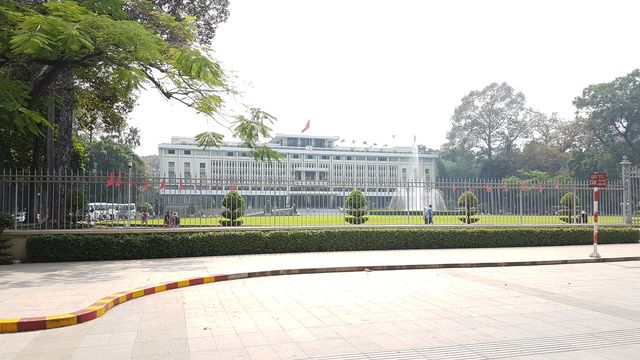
(56, 288)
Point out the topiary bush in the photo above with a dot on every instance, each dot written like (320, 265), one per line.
(356, 205)
(6, 221)
(235, 209)
(569, 212)
(468, 201)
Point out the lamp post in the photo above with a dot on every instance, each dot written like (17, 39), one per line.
(129, 196)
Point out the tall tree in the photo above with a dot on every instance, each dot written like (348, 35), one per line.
(489, 120)
(99, 46)
(612, 112)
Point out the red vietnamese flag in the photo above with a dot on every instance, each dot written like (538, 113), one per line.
(110, 178)
(523, 186)
(162, 185)
(119, 180)
(146, 184)
(487, 189)
(306, 127)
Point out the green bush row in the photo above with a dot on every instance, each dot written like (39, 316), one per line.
(46, 248)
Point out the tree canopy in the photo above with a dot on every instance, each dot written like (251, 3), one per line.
(94, 56)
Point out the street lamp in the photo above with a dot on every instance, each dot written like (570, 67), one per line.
(129, 196)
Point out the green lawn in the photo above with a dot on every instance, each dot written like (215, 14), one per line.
(373, 220)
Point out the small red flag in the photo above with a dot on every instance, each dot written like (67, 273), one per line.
(487, 189)
(110, 179)
(306, 127)
(523, 186)
(119, 180)
(146, 184)
(181, 186)
(162, 185)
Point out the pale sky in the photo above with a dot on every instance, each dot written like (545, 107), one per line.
(370, 69)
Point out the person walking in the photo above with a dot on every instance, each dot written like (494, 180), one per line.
(167, 219)
(429, 215)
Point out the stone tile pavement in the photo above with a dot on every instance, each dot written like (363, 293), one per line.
(53, 288)
(586, 311)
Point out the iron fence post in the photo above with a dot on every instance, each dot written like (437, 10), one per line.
(626, 191)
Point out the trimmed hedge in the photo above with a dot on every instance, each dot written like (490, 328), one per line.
(51, 248)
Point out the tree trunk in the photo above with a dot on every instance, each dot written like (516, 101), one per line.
(64, 149)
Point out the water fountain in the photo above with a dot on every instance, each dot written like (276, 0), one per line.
(416, 193)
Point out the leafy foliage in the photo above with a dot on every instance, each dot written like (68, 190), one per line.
(356, 205)
(107, 155)
(6, 221)
(570, 212)
(84, 247)
(235, 208)
(144, 206)
(612, 112)
(489, 120)
(468, 201)
(111, 49)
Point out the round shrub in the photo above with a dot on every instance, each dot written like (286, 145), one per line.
(468, 201)
(235, 208)
(569, 212)
(356, 205)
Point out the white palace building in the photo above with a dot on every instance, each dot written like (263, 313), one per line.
(317, 171)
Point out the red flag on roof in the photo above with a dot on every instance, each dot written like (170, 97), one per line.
(110, 179)
(119, 180)
(306, 127)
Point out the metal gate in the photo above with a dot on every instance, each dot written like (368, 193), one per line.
(631, 192)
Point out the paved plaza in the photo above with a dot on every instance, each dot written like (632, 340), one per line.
(586, 311)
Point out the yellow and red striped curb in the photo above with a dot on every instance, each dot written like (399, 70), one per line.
(98, 308)
(103, 305)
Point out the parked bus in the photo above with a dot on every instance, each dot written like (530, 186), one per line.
(111, 211)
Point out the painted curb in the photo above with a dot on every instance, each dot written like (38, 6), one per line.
(100, 307)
